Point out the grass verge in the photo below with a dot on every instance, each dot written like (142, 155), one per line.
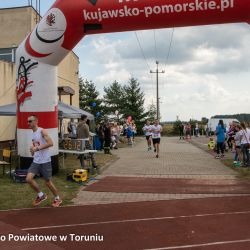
(241, 172)
(20, 195)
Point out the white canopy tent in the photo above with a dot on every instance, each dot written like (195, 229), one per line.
(64, 111)
(8, 110)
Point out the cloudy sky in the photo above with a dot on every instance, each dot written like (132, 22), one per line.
(207, 71)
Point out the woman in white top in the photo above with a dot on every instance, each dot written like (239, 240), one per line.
(238, 152)
(156, 136)
(115, 133)
(133, 130)
(244, 141)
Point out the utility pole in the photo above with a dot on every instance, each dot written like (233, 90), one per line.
(157, 89)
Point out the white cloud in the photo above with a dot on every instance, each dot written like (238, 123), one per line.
(112, 75)
(207, 73)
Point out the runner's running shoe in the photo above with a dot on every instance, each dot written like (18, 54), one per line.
(38, 200)
(56, 202)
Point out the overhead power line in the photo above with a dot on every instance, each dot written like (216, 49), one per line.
(141, 50)
(143, 54)
(170, 46)
(156, 54)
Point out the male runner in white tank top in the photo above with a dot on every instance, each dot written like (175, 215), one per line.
(156, 130)
(41, 142)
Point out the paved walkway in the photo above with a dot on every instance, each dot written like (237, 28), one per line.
(178, 159)
(159, 223)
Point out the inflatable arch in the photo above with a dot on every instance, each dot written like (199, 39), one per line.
(67, 22)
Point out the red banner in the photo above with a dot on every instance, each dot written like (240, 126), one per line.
(101, 16)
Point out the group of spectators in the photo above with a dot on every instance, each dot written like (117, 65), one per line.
(236, 136)
(110, 134)
(185, 131)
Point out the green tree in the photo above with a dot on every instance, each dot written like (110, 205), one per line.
(204, 120)
(134, 103)
(176, 127)
(113, 99)
(89, 98)
(151, 112)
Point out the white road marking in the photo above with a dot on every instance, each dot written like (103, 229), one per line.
(201, 245)
(134, 220)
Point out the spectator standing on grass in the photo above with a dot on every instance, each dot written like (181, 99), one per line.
(220, 133)
(230, 135)
(72, 129)
(129, 133)
(124, 130)
(238, 153)
(83, 133)
(209, 131)
(188, 129)
(245, 140)
(100, 133)
(184, 129)
(116, 133)
(134, 130)
(113, 137)
(181, 131)
(107, 138)
(196, 129)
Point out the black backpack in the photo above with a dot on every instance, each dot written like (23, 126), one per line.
(19, 176)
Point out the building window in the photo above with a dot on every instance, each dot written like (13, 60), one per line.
(8, 54)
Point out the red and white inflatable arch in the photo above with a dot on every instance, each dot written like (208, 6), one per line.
(67, 22)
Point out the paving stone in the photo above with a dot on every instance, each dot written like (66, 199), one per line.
(178, 159)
